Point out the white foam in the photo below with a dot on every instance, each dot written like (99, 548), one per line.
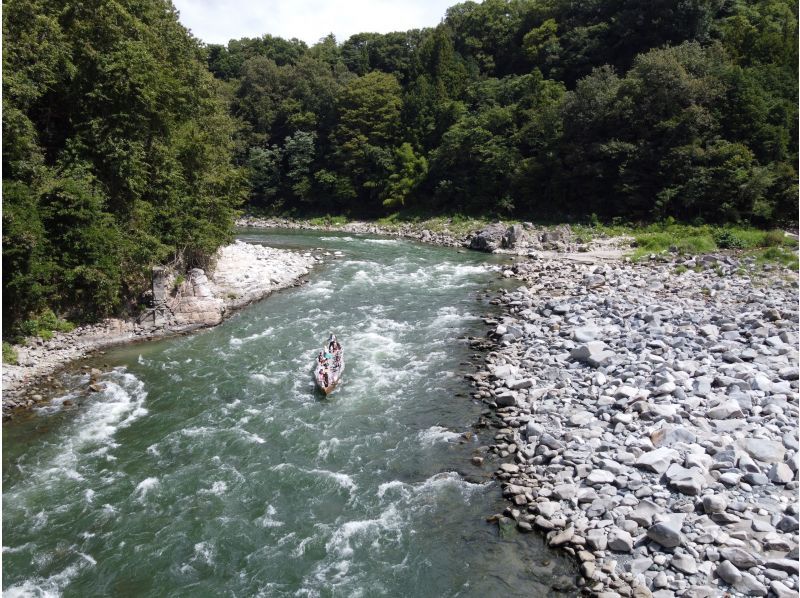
(50, 587)
(382, 241)
(436, 434)
(268, 520)
(218, 488)
(252, 437)
(336, 239)
(145, 486)
(239, 341)
(204, 551)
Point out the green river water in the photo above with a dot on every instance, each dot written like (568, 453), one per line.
(209, 466)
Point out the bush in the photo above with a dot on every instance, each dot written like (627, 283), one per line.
(9, 354)
(45, 325)
(727, 239)
(773, 238)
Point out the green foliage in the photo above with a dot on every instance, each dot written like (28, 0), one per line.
(727, 239)
(116, 154)
(9, 354)
(44, 326)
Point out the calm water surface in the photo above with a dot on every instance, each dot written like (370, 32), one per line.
(210, 467)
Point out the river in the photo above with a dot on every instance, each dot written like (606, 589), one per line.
(209, 466)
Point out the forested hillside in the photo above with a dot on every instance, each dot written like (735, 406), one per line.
(534, 108)
(116, 154)
(127, 143)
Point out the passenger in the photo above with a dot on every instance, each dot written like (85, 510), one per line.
(325, 378)
(321, 358)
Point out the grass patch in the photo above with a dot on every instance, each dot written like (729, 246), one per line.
(671, 237)
(328, 220)
(45, 325)
(777, 255)
(9, 354)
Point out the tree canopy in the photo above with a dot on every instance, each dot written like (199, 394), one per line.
(535, 108)
(127, 143)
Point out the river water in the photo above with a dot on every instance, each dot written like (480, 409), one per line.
(209, 466)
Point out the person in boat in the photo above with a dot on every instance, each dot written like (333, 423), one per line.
(324, 376)
(321, 359)
(333, 345)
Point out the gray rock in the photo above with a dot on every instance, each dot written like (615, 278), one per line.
(714, 503)
(728, 573)
(755, 479)
(791, 566)
(725, 410)
(788, 524)
(780, 473)
(619, 540)
(687, 481)
(506, 399)
(766, 451)
(599, 476)
(592, 353)
(741, 559)
(666, 533)
(781, 591)
(684, 563)
(658, 460)
(750, 586)
(489, 238)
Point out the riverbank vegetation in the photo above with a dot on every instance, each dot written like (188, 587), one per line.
(542, 109)
(116, 155)
(128, 143)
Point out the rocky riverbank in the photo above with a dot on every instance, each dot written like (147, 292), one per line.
(648, 422)
(497, 237)
(241, 273)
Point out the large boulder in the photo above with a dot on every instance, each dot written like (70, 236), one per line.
(514, 236)
(489, 238)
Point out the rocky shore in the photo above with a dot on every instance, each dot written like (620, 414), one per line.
(647, 422)
(241, 273)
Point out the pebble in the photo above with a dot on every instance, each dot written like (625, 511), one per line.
(659, 430)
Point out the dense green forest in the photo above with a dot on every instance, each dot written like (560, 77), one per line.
(127, 142)
(117, 154)
(530, 108)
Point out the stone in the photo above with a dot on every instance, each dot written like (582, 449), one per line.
(597, 539)
(684, 563)
(714, 503)
(599, 476)
(506, 399)
(658, 460)
(791, 566)
(489, 238)
(519, 384)
(740, 558)
(750, 586)
(766, 451)
(781, 591)
(687, 481)
(666, 533)
(726, 410)
(728, 572)
(780, 473)
(592, 353)
(644, 512)
(562, 537)
(619, 540)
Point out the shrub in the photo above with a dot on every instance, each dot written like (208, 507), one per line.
(9, 354)
(727, 239)
(773, 238)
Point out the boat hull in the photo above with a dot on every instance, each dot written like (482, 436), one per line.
(334, 380)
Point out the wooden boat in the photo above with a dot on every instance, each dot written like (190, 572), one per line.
(335, 369)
